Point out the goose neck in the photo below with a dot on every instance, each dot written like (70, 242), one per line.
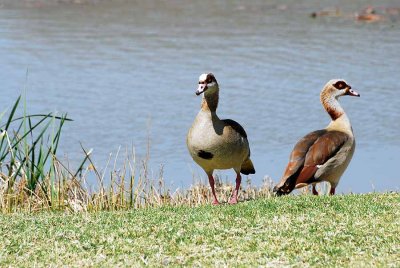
(210, 102)
(332, 106)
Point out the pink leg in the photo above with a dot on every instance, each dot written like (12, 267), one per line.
(212, 184)
(314, 191)
(235, 192)
(332, 191)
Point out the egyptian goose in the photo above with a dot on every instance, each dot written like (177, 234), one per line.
(322, 155)
(217, 144)
(369, 14)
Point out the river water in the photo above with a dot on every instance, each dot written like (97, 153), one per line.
(126, 71)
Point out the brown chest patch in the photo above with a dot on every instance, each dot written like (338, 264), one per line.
(205, 155)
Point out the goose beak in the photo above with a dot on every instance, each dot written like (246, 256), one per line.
(352, 92)
(202, 88)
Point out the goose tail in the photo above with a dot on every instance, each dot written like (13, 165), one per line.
(247, 167)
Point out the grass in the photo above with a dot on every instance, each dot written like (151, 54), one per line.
(295, 231)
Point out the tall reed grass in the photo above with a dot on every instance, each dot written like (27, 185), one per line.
(33, 178)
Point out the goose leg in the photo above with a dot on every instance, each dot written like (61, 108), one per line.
(314, 190)
(332, 191)
(212, 184)
(236, 191)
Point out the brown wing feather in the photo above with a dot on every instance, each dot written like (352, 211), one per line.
(298, 155)
(314, 149)
(320, 152)
(325, 147)
(296, 162)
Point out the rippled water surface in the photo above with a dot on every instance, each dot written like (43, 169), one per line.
(128, 70)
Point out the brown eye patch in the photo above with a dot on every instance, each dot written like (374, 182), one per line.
(210, 78)
(340, 85)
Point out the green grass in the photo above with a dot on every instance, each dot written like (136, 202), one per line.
(343, 230)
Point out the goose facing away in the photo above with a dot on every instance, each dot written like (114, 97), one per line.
(322, 155)
(217, 144)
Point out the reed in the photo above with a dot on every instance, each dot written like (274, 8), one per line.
(33, 178)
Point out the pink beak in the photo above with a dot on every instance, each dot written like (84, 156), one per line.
(353, 93)
(202, 88)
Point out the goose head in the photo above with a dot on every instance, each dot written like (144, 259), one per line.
(207, 84)
(337, 88)
(330, 94)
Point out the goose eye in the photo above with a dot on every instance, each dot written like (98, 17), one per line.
(340, 85)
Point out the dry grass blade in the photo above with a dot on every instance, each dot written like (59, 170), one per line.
(32, 177)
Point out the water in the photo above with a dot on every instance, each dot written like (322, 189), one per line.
(127, 70)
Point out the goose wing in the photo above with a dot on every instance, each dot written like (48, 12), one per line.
(312, 151)
(236, 127)
(324, 148)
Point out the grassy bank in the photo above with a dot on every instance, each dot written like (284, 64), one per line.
(347, 230)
